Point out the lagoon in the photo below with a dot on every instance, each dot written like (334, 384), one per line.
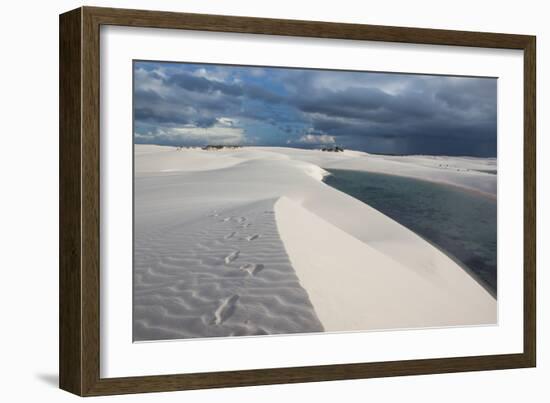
(461, 223)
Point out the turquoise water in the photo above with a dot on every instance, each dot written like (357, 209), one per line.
(461, 223)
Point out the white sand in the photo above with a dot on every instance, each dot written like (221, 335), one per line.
(213, 260)
(354, 286)
(467, 172)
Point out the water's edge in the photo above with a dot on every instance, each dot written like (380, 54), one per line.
(461, 224)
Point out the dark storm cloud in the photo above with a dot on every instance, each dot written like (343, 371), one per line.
(201, 84)
(391, 113)
(150, 115)
(200, 101)
(456, 114)
(368, 105)
(187, 106)
(147, 96)
(258, 93)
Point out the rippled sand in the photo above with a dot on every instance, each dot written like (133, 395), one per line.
(227, 274)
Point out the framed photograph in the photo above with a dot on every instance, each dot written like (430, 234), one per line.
(249, 201)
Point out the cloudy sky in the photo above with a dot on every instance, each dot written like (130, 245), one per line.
(196, 104)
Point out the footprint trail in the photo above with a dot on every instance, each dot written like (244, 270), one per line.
(215, 277)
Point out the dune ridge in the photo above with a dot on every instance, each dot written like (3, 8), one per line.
(343, 274)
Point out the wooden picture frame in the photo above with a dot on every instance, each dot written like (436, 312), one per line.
(79, 345)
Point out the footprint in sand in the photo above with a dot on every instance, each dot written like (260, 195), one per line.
(232, 256)
(226, 309)
(226, 219)
(252, 237)
(229, 236)
(251, 268)
(241, 220)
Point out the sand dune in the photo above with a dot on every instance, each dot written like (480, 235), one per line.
(251, 241)
(381, 292)
(227, 274)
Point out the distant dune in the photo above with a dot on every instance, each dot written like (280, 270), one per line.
(250, 241)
